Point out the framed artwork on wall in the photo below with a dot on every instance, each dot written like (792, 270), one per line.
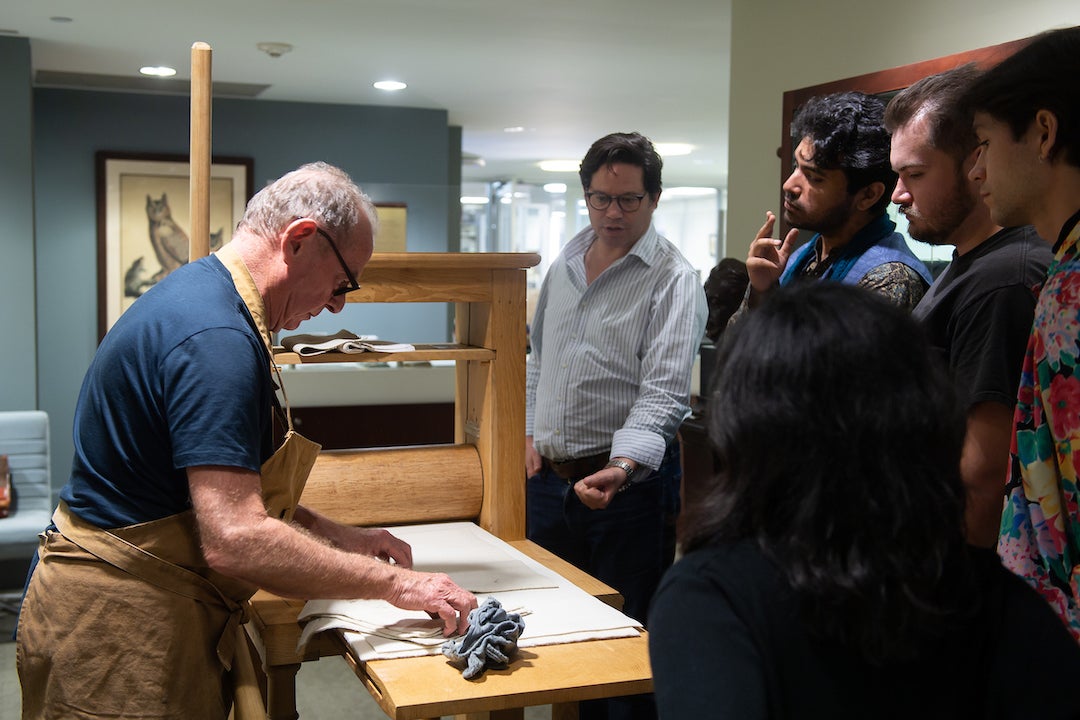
(143, 214)
(392, 222)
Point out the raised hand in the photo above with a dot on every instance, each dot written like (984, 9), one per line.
(768, 256)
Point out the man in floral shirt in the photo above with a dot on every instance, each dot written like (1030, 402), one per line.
(1027, 119)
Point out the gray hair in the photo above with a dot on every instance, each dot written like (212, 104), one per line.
(317, 190)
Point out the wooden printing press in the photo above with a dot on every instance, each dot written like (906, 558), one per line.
(479, 478)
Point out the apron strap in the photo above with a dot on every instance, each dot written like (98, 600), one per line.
(245, 287)
(154, 570)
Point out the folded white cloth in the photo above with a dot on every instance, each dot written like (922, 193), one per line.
(342, 341)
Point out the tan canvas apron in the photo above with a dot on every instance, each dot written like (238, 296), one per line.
(130, 622)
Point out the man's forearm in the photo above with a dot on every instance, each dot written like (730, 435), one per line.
(241, 541)
(983, 468)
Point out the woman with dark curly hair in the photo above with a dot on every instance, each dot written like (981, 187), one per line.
(826, 573)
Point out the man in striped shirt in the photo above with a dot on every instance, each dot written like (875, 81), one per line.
(619, 319)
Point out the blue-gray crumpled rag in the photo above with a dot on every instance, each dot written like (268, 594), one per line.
(488, 643)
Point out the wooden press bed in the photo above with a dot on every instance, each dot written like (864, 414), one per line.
(479, 478)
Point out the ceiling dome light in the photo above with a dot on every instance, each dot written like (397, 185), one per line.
(390, 85)
(274, 49)
(158, 70)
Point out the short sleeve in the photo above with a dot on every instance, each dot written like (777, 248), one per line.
(988, 345)
(900, 284)
(218, 398)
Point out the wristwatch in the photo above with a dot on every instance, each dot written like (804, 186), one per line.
(626, 468)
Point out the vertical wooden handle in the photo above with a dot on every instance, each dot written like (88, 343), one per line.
(200, 150)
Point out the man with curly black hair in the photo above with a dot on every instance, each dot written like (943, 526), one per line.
(839, 189)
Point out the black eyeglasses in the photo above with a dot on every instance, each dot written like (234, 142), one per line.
(353, 285)
(601, 201)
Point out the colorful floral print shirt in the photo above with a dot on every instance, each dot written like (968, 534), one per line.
(1040, 525)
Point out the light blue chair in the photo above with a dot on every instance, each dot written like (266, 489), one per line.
(24, 438)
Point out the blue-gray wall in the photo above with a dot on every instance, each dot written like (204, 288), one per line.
(396, 154)
(18, 360)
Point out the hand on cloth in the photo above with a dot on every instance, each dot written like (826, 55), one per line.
(488, 643)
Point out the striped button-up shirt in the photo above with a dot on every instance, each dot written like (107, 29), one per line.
(611, 362)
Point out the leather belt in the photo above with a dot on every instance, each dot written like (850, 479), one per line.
(579, 467)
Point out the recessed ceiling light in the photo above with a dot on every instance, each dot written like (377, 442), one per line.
(158, 70)
(555, 188)
(473, 200)
(514, 129)
(390, 85)
(688, 192)
(472, 160)
(560, 165)
(670, 149)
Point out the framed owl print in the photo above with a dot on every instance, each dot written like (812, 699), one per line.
(143, 220)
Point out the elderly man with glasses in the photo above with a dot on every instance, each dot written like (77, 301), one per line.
(617, 327)
(179, 505)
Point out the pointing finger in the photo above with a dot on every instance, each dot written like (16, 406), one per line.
(767, 228)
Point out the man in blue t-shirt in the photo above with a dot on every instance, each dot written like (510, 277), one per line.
(178, 506)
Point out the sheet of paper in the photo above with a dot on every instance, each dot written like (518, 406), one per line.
(473, 558)
(557, 610)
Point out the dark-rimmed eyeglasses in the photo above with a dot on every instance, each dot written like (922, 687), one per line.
(352, 284)
(600, 201)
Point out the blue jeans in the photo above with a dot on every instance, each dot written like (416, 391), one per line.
(628, 545)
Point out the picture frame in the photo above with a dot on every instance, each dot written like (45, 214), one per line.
(393, 218)
(143, 215)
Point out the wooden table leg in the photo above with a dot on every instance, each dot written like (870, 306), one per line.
(281, 692)
(564, 711)
(509, 714)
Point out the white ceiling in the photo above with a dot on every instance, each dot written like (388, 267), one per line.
(568, 71)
